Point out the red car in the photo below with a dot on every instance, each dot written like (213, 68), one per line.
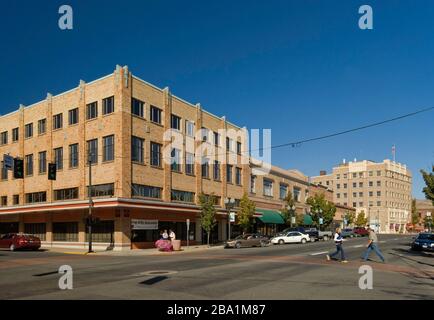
(362, 232)
(15, 241)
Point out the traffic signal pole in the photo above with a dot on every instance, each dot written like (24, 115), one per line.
(89, 220)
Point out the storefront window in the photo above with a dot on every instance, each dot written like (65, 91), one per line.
(180, 229)
(65, 231)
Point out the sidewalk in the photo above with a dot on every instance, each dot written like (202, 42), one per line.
(136, 252)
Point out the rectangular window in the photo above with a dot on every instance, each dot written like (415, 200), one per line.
(229, 144)
(371, 194)
(361, 194)
(378, 193)
(4, 201)
(73, 155)
(155, 115)
(16, 199)
(189, 128)
(204, 133)
(36, 197)
(175, 160)
(296, 194)
(205, 167)
(102, 232)
(108, 105)
(338, 186)
(58, 158)
(139, 190)
(57, 121)
(360, 184)
(42, 127)
(28, 130)
(238, 147)
(371, 184)
(345, 185)
(156, 154)
(42, 162)
(354, 194)
(216, 139)
(354, 204)
(92, 110)
(73, 116)
(29, 165)
(15, 134)
(189, 163)
(92, 151)
(378, 183)
(378, 203)
(66, 194)
(283, 191)
(138, 107)
(238, 176)
(108, 148)
(182, 196)
(36, 229)
(268, 188)
(175, 122)
(338, 195)
(217, 175)
(137, 149)
(253, 184)
(3, 138)
(102, 190)
(229, 173)
(4, 171)
(65, 231)
(354, 184)
(378, 173)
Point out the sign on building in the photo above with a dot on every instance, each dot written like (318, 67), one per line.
(232, 217)
(141, 224)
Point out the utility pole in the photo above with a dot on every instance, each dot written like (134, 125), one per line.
(90, 220)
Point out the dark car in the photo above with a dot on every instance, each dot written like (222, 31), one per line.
(17, 241)
(348, 233)
(424, 242)
(248, 240)
(362, 232)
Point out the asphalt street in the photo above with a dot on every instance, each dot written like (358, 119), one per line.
(292, 271)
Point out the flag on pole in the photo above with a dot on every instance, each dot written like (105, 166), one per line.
(394, 153)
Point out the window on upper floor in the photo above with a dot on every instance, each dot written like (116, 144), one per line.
(283, 192)
(238, 176)
(15, 134)
(189, 163)
(138, 108)
(253, 184)
(58, 121)
(73, 116)
(28, 130)
(155, 114)
(108, 145)
(42, 127)
(156, 154)
(3, 138)
(189, 128)
(58, 158)
(137, 149)
(238, 147)
(296, 194)
(175, 122)
(268, 188)
(108, 105)
(175, 160)
(92, 110)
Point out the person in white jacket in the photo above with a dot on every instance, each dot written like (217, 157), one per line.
(339, 248)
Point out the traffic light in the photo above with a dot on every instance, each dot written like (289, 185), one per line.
(18, 168)
(52, 171)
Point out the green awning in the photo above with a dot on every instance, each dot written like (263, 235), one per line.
(307, 220)
(270, 216)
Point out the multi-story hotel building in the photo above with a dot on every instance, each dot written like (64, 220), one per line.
(382, 190)
(139, 144)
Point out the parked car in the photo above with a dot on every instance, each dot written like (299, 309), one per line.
(312, 232)
(348, 233)
(248, 240)
(16, 241)
(291, 237)
(423, 242)
(360, 231)
(324, 235)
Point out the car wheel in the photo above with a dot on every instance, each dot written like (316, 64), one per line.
(303, 240)
(238, 245)
(281, 241)
(312, 239)
(12, 247)
(325, 238)
(263, 244)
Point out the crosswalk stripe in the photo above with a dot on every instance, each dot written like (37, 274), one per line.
(318, 253)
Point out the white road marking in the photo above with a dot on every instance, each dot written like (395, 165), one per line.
(318, 253)
(382, 241)
(358, 246)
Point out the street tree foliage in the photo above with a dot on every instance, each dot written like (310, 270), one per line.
(361, 220)
(285, 212)
(414, 214)
(350, 216)
(318, 201)
(246, 212)
(429, 181)
(207, 214)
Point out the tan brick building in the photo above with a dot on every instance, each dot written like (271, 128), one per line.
(382, 190)
(151, 153)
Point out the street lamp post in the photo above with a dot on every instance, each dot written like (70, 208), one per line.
(90, 219)
(319, 211)
(291, 210)
(230, 204)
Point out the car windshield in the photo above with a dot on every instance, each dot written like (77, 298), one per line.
(426, 236)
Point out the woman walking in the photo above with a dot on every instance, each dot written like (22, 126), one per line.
(339, 248)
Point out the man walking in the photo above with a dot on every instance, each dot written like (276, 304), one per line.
(373, 245)
(339, 248)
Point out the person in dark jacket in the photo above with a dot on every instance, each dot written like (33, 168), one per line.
(339, 248)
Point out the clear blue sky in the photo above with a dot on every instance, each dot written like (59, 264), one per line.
(302, 68)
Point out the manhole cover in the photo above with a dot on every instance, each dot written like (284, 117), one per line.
(157, 272)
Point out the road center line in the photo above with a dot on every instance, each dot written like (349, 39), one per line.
(318, 253)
